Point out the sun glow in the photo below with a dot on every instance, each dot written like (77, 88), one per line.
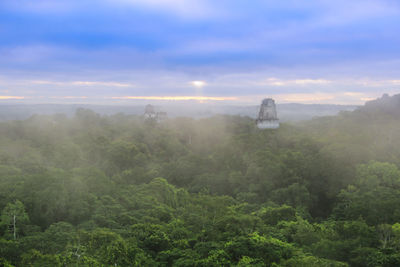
(198, 84)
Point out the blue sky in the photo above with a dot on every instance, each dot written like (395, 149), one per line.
(236, 51)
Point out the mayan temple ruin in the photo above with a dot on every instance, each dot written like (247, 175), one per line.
(151, 114)
(267, 117)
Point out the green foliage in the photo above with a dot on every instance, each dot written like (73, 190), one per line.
(269, 250)
(37, 259)
(117, 191)
(311, 261)
(13, 217)
(375, 196)
(273, 215)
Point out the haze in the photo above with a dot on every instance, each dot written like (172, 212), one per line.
(199, 133)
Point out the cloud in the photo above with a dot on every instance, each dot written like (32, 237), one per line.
(68, 97)
(304, 97)
(367, 98)
(188, 9)
(344, 12)
(8, 97)
(39, 6)
(310, 81)
(377, 82)
(176, 98)
(356, 94)
(345, 98)
(301, 82)
(169, 47)
(82, 83)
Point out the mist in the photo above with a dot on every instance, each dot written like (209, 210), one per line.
(181, 133)
(287, 111)
(87, 182)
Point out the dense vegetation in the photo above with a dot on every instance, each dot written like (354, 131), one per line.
(120, 191)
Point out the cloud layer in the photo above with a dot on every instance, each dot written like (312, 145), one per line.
(225, 49)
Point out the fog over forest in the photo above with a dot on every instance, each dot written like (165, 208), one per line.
(287, 112)
(199, 133)
(122, 190)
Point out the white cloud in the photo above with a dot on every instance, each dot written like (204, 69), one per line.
(110, 84)
(68, 97)
(188, 9)
(41, 6)
(356, 94)
(310, 81)
(8, 97)
(343, 12)
(177, 98)
(82, 83)
(304, 97)
(344, 98)
(376, 82)
(395, 82)
(245, 87)
(300, 82)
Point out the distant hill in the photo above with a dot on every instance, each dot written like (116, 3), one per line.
(369, 132)
(385, 105)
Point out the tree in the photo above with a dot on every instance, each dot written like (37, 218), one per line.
(14, 216)
(375, 196)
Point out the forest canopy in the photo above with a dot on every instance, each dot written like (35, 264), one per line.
(119, 190)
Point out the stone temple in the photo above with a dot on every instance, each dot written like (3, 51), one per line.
(151, 114)
(267, 117)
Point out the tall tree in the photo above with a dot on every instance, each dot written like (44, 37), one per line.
(14, 216)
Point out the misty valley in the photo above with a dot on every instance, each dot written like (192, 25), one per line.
(119, 190)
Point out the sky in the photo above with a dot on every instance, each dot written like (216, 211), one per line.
(226, 51)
